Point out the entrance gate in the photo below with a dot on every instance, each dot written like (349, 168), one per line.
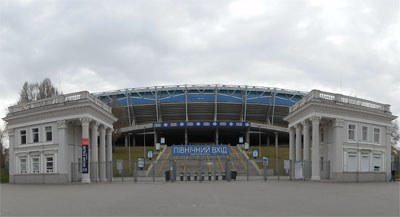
(235, 166)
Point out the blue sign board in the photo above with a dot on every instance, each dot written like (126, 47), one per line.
(201, 150)
(201, 124)
(85, 159)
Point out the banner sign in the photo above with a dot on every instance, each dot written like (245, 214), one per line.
(158, 146)
(201, 124)
(120, 166)
(265, 161)
(298, 170)
(201, 150)
(150, 154)
(85, 159)
(140, 162)
(255, 153)
(85, 141)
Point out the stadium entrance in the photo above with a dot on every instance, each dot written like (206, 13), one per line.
(239, 140)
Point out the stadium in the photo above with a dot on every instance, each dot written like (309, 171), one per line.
(193, 131)
(201, 114)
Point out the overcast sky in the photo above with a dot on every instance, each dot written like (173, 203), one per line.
(349, 47)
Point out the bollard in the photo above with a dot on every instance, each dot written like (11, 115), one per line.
(216, 176)
(195, 177)
(223, 176)
(181, 176)
(209, 176)
(202, 176)
(188, 177)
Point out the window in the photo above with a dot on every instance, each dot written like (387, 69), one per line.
(49, 164)
(352, 130)
(365, 162)
(23, 136)
(22, 165)
(377, 162)
(364, 133)
(35, 134)
(376, 135)
(35, 164)
(321, 134)
(49, 133)
(321, 164)
(352, 161)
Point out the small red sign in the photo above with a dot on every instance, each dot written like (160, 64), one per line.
(85, 141)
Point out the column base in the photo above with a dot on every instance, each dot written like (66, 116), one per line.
(103, 180)
(315, 178)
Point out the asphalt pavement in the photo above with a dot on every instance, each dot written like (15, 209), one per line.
(257, 198)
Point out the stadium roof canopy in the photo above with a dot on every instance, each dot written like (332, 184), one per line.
(216, 102)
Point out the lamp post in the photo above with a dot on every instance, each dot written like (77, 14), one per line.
(129, 152)
(276, 154)
(144, 141)
(259, 140)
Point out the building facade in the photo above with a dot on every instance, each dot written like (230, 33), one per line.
(348, 136)
(49, 137)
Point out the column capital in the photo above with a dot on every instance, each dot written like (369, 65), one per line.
(95, 124)
(11, 132)
(305, 123)
(109, 131)
(339, 122)
(298, 127)
(85, 120)
(102, 128)
(61, 124)
(315, 119)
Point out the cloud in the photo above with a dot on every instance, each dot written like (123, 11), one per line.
(343, 46)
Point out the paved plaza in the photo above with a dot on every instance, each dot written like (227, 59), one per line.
(257, 198)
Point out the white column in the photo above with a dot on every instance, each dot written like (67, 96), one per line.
(109, 154)
(102, 155)
(315, 149)
(11, 161)
(85, 136)
(298, 142)
(388, 155)
(307, 141)
(337, 166)
(63, 162)
(94, 152)
(291, 144)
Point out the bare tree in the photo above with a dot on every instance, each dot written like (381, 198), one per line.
(46, 89)
(395, 133)
(36, 91)
(395, 138)
(1, 150)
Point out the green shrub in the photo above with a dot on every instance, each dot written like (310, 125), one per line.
(4, 175)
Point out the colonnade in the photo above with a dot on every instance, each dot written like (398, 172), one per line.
(100, 156)
(299, 135)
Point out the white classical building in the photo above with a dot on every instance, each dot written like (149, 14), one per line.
(50, 140)
(340, 137)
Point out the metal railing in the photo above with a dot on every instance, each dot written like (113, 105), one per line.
(60, 99)
(339, 98)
